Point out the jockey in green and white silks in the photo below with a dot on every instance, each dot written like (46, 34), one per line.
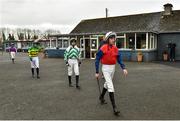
(34, 59)
(72, 58)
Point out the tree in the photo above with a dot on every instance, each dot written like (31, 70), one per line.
(12, 37)
(21, 36)
(29, 37)
(35, 37)
(25, 36)
(18, 36)
(3, 37)
(9, 37)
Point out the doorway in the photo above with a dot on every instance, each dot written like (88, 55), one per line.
(87, 48)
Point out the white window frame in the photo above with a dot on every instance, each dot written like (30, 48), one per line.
(153, 42)
(93, 50)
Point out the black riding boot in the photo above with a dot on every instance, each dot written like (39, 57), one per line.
(77, 82)
(13, 60)
(101, 98)
(32, 70)
(70, 83)
(37, 70)
(116, 111)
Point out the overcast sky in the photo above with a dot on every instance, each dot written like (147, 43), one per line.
(66, 14)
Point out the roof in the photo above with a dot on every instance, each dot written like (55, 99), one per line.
(147, 22)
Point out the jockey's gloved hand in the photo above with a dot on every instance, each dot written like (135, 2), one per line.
(67, 64)
(79, 63)
(30, 58)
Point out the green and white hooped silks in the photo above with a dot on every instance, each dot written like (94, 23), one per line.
(71, 55)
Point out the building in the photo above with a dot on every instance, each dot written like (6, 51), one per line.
(147, 33)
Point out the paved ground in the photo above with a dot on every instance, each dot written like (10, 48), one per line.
(151, 91)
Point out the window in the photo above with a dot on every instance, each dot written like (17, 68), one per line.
(7, 45)
(45, 44)
(93, 54)
(82, 54)
(82, 43)
(120, 42)
(93, 43)
(152, 41)
(29, 44)
(53, 43)
(141, 41)
(59, 43)
(65, 43)
(155, 41)
(149, 41)
(130, 43)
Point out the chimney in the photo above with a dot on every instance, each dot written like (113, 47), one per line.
(168, 9)
(106, 12)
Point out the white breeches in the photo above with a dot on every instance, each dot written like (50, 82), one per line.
(73, 65)
(35, 62)
(13, 54)
(108, 72)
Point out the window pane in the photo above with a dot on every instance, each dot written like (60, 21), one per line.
(65, 43)
(82, 54)
(130, 43)
(149, 46)
(59, 43)
(152, 42)
(93, 43)
(120, 42)
(53, 43)
(155, 41)
(47, 44)
(141, 41)
(93, 54)
(82, 44)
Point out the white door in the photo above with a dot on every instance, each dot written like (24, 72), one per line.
(93, 47)
(82, 48)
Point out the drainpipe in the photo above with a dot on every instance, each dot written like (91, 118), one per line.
(50, 43)
(135, 41)
(125, 41)
(56, 42)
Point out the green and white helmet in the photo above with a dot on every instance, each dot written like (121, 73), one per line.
(72, 40)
